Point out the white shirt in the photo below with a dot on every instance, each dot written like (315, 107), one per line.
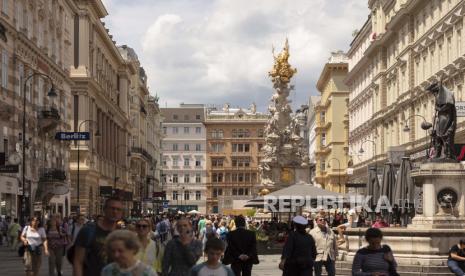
(33, 237)
(74, 233)
(219, 271)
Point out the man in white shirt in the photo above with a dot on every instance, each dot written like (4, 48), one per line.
(73, 230)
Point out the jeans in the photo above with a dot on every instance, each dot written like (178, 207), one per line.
(456, 267)
(329, 265)
(55, 260)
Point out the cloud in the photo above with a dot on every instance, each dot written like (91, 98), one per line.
(205, 51)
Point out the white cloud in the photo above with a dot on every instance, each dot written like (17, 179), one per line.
(219, 51)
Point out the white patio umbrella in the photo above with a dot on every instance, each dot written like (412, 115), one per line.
(193, 212)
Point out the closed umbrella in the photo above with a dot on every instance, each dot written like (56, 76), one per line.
(389, 181)
(404, 193)
(373, 186)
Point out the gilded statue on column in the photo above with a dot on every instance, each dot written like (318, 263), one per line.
(282, 71)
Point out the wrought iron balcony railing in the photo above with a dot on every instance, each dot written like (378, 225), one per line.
(52, 174)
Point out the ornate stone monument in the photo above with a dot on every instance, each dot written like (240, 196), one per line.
(423, 246)
(285, 160)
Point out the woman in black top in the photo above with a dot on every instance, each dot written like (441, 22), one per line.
(299, 252)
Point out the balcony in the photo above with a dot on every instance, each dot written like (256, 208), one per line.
(51, 182)
(6, 111)
(49, 117)
(52, 175)
(138, 151)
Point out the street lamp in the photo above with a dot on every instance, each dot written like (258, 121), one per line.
(97, 134)
(338, 170)
(51, 93)
(424, 125)
(361, 151)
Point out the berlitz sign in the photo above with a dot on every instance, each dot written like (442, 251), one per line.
(460, 107)
(72, 136)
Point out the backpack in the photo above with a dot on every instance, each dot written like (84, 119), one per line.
(223, 233)
(91, 237)
(162, 229)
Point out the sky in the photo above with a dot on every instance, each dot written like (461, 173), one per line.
(220, 51)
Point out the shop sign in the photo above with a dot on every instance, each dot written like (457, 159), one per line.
(460, 107)
(72, 136)
(9, 169)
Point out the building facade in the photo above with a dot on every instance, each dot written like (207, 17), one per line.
(101, 89)
(145, 135)
(332, 125)
(234, 139)
(35, 45)
(154, 147)
(403, 47)
(311, 126)
(184, 157)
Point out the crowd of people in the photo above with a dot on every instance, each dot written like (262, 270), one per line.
(178, 245)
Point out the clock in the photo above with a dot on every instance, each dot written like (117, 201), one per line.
(14, 159)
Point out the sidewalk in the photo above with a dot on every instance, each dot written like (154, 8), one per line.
(12, 265)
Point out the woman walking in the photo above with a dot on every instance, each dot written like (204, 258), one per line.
(122, 246)
(374, 259)
(35, 240)
(299, 252)
(57, 238)
(150, 252)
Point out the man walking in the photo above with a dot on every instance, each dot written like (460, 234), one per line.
(89, 252)
(13, 232)
(241, 251)
(326, 247)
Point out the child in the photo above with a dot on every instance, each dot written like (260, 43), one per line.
(214, 249)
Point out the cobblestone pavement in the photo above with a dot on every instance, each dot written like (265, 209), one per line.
(12, 265)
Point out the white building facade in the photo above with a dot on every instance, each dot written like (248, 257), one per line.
(311, 125)
(184, 157)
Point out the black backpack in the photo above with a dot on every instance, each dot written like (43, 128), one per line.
(90, 239)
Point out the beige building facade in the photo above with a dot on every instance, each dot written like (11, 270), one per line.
(403, 47)
(331, 125)
(35, 45)
(234, 139)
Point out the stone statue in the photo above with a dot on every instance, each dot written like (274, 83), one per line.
(444, 124)
(253, 108)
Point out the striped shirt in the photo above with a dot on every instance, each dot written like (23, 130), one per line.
(368, 261)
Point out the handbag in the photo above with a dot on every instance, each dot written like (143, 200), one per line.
(22, 247)
(21, 250)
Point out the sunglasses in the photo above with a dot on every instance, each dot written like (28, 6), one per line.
(140, 226)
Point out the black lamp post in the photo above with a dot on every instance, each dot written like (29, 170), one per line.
(338, 170)
(97, 134)
(424, 125)
(361, 151)
(51, 93)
